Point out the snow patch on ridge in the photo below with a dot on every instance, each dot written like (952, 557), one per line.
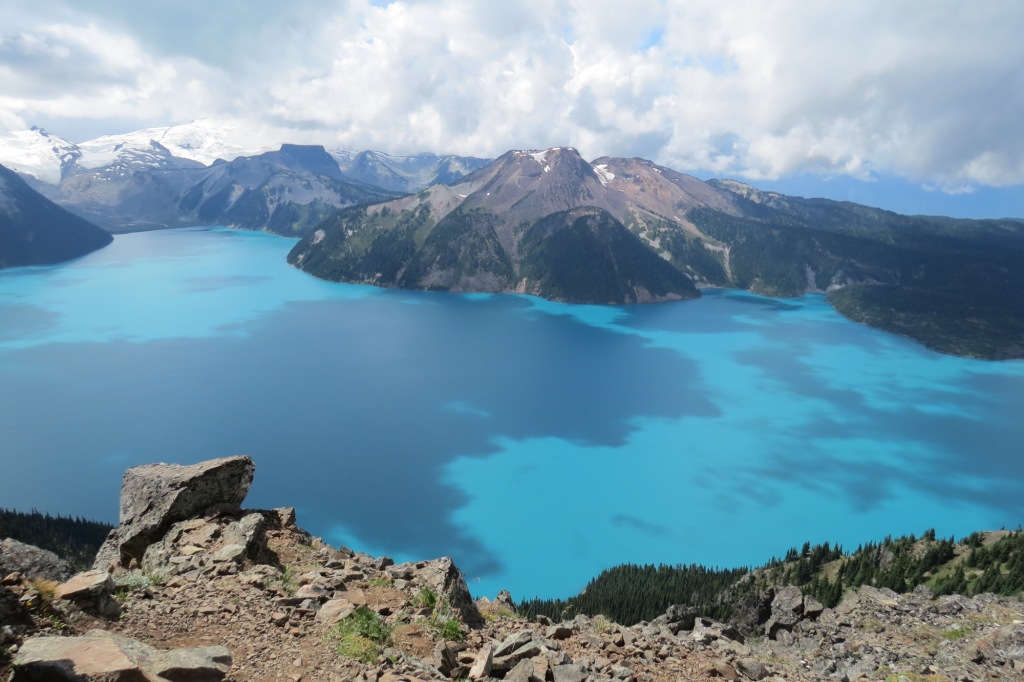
(603, 174)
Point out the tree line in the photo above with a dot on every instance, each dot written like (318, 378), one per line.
(632, 593)
(72, 538)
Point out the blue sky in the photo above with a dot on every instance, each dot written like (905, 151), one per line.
(914, 105)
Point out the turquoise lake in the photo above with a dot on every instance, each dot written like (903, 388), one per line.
(537, 443)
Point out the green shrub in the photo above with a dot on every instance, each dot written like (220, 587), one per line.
(427, 598)
(445, 623)
(361, 635)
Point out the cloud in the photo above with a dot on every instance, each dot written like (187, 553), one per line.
(928, 91)
(87, 71)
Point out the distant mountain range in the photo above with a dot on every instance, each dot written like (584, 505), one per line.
(548, 223)
(405, 174)
(192, 174)
(286, 191)
(35, 231)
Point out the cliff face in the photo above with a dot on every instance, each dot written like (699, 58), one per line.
(236, 594)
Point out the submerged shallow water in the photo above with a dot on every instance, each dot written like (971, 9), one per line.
(537, 443)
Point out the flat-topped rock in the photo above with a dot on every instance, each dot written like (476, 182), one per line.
(101, 656)
(155, 496)
(90, 591)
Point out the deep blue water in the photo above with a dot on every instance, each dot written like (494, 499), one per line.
(534, 442)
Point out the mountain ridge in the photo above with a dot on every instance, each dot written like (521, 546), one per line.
(139, 180)
(955, 285)
(284, 191)
(487, 232)
(405, 174)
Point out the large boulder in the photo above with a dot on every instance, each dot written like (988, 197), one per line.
(155, 496)
(678, 617)
(753, 610)
(101, 656)
(787, 610)
(31, 561)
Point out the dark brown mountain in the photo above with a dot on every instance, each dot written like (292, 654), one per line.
(542, 223)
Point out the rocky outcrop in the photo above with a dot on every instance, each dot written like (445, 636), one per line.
(101, 656)
(446, 580)
(155, 496)
(31, 561)
(221, 542)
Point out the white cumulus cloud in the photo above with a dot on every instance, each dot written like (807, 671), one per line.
(928, 90)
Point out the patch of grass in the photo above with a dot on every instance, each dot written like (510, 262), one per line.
(156, 577)
(47, 590)
(492, 613)
(361, 635)
(427, 598)
(357, 648)
(380, 581)
(873, 624)
(133, 581)
(55, 622)
(445, 624)
(288, 581)
(450, 631)
(601, 623)
(957, 633)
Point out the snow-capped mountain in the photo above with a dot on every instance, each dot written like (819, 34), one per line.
(201, 173)
(37, 153)
(204, 141)
(48, 158)
(405, 173)
(287, 191)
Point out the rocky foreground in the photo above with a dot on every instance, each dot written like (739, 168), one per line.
(193, 587)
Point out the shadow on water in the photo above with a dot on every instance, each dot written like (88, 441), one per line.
(21, 320)
(950, 436)
(347, 407)
(945, 428)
